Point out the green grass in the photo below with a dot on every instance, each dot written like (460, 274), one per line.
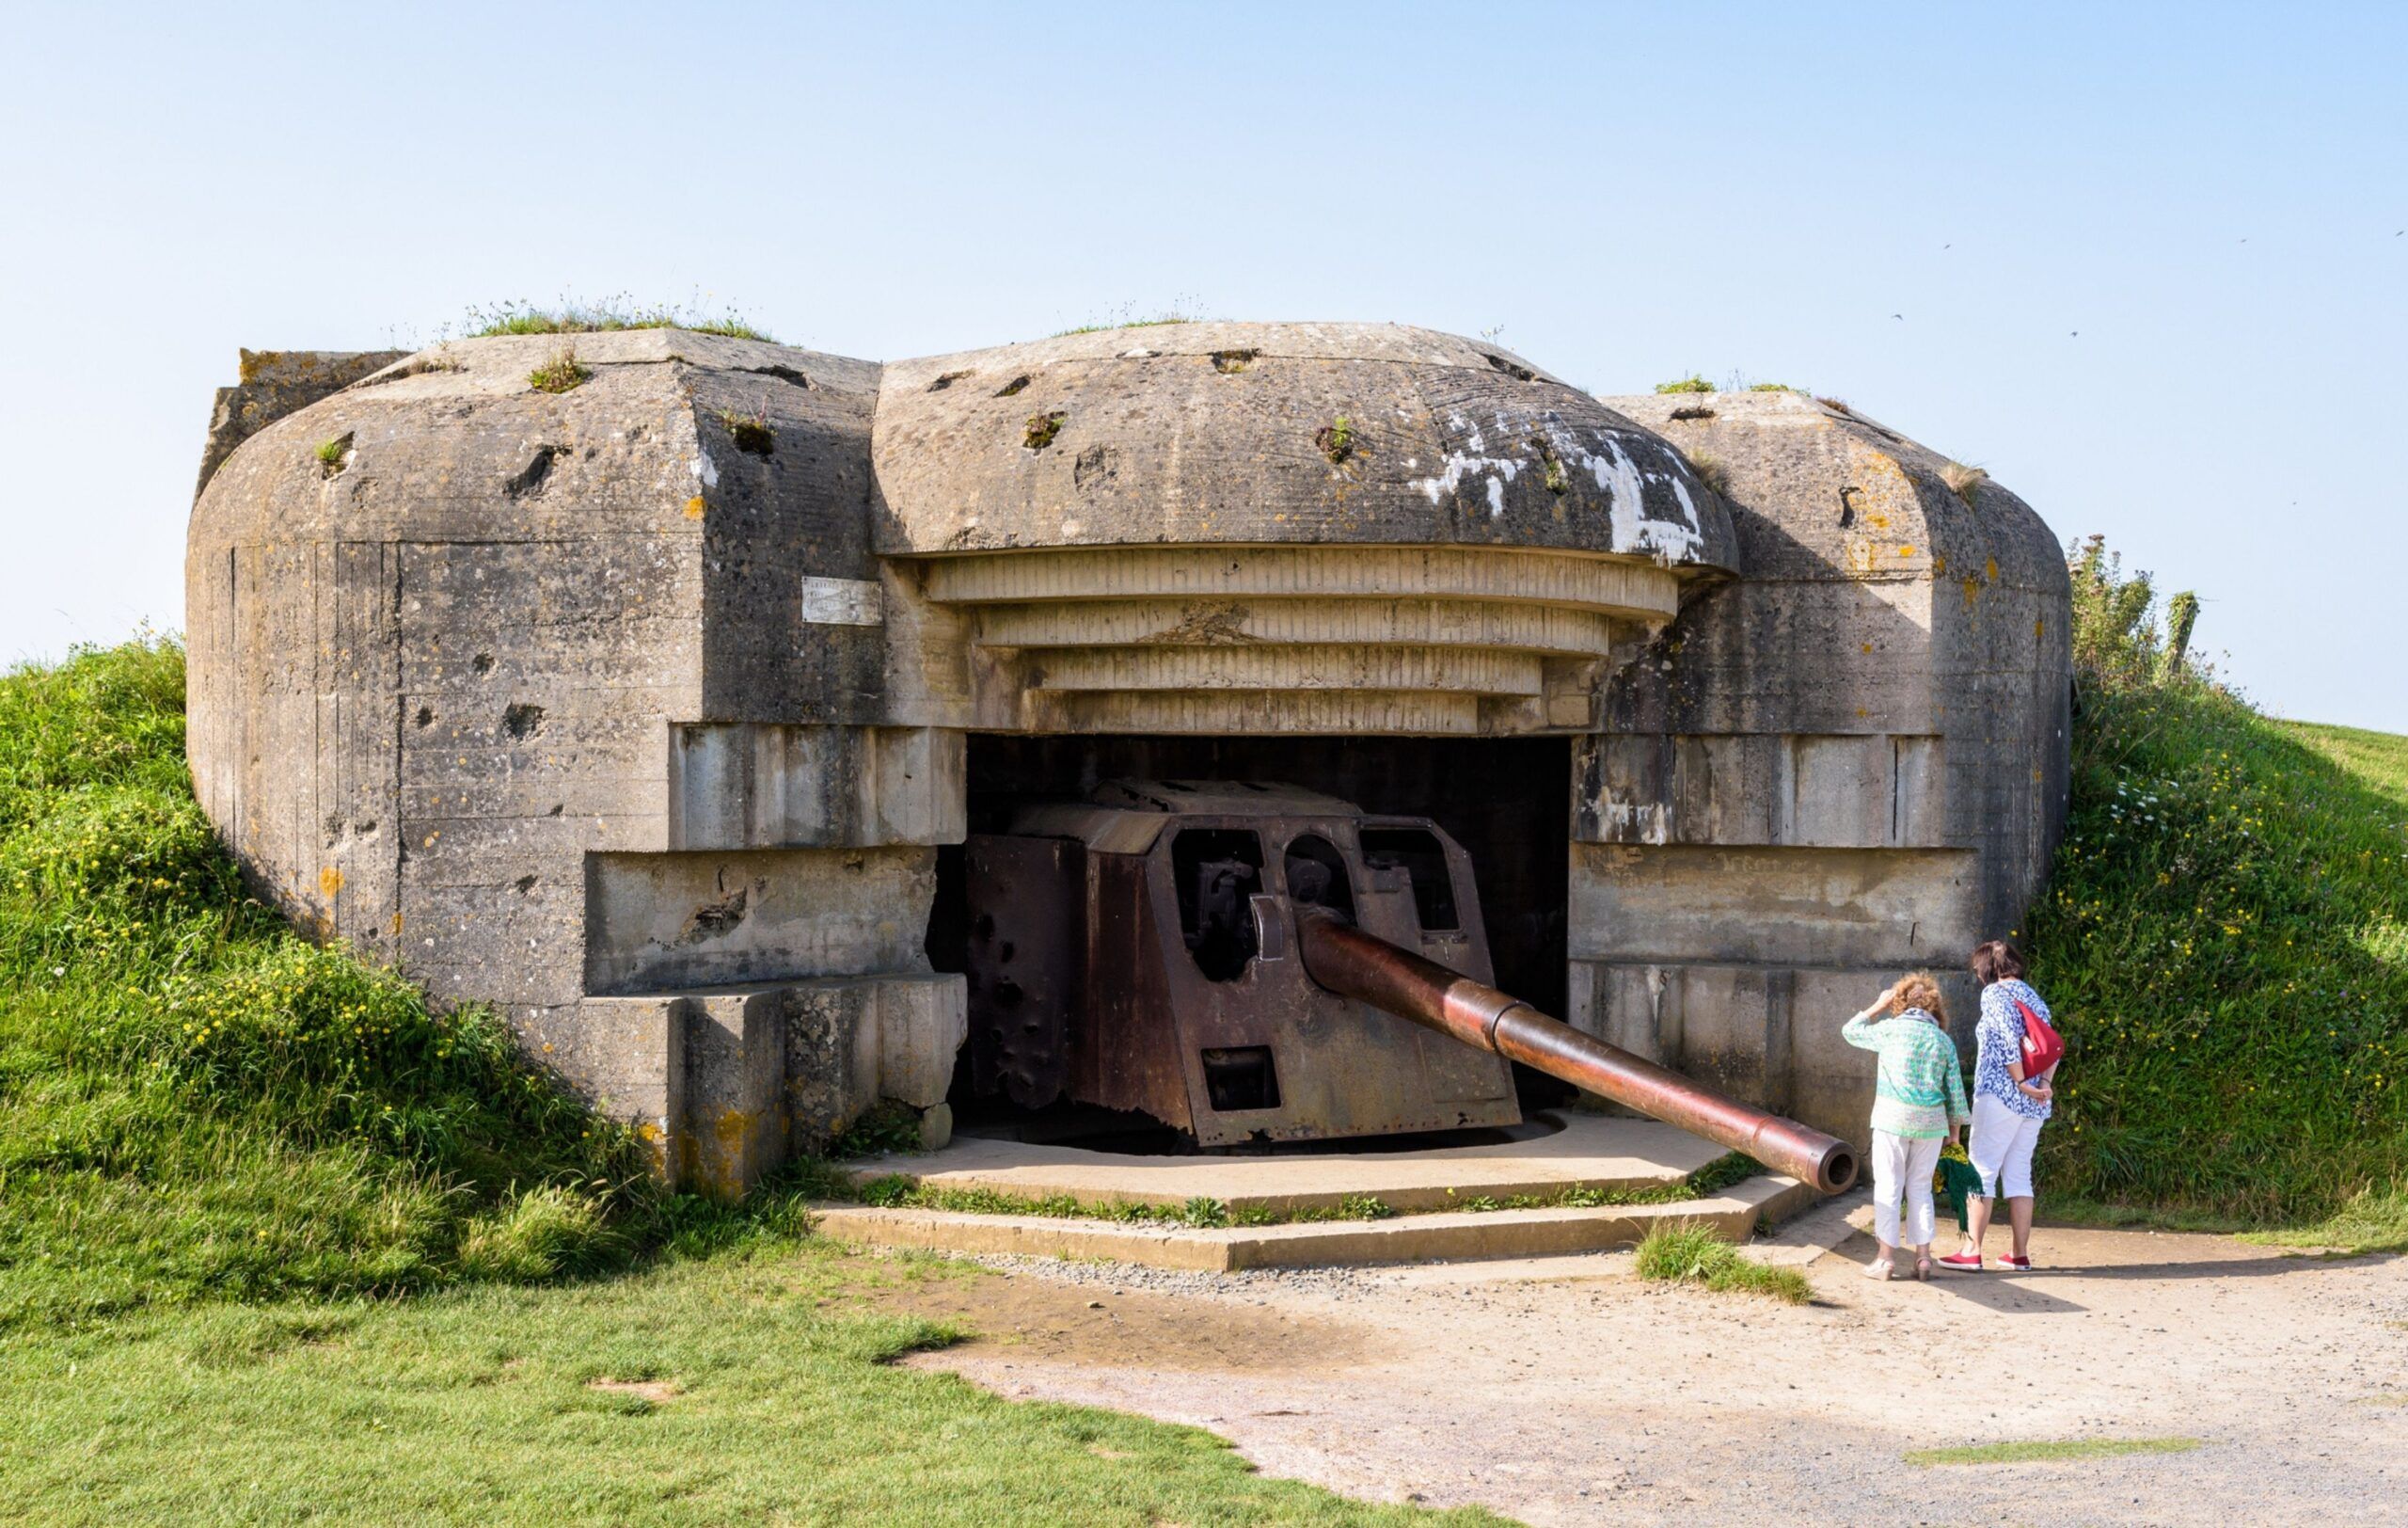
(277, 1243)
(772, 1398)
(1691, 383)
(2032, 1452)
(198, 1105)
(571, 316)
(1686, 1252)
(1154, 322)
(564, 372)
(2377, 758)
(2220, 938)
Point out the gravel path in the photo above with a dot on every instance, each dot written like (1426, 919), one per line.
(1564, 1391)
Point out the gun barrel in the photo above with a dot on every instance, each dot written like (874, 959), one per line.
(1345, 960)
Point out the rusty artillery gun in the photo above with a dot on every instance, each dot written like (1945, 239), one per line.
(1252, 963)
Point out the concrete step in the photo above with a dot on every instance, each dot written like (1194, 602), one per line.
(1439, 1236)
(1611, 1153)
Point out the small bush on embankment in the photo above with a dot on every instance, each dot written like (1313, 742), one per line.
(194, 1102)
(2222, 938)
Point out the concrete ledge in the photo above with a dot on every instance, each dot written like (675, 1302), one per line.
(1412, 1238)
(1597, 1152)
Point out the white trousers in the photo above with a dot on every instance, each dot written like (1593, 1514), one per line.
(1902, 1166)
(2002, 1148)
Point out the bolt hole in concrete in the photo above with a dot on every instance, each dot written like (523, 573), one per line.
(529, 479)
(1012, 388)
(1231, 362)
(333, 457)
(1336, 441)
(523, 720)
(947, 380)
(1041, 430)
(715, 918)
(750, 432)
(425, 716)
(482, 663)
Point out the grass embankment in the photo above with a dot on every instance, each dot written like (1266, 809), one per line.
(2226, 939)
(199, 1104)
(277, 1243)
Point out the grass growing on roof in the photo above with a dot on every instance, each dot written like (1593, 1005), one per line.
(573, 316)
(563, 373)
(2217, 940)
(1691, 383)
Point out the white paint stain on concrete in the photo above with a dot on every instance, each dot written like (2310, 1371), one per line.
(1601, 454)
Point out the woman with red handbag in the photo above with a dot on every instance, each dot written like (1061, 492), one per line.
(2013, 1076)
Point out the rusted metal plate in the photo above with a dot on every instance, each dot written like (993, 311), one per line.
(1340, 1067)
(1027, 901)
(1126, 1037)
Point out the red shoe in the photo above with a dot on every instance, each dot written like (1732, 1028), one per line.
(2020, 1265)
(1961, 1263)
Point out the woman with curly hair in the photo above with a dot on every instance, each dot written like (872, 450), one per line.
(1917, 1102)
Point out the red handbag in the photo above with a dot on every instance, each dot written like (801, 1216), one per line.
(2043, 1047)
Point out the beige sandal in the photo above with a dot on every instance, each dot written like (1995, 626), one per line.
(1877, 1268)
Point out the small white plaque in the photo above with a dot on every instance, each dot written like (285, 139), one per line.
(842, 602)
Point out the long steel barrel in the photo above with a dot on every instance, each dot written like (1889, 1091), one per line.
(1347, 961)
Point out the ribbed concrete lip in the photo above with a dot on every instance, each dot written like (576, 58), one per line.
(1456, 1236)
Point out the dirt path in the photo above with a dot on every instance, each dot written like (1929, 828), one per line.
(1566, 1391)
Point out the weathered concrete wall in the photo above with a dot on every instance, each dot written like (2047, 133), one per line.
(519, 690)
(1849, 762)
(639, 709)
(271, 384)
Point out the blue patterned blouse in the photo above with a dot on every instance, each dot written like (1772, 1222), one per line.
(2000, 1039)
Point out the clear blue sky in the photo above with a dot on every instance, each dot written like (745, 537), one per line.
(2209, 195)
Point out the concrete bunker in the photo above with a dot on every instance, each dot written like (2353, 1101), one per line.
(681, 743)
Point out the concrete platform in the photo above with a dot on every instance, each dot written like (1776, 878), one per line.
(1426, 1187)
(1591, 1151)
